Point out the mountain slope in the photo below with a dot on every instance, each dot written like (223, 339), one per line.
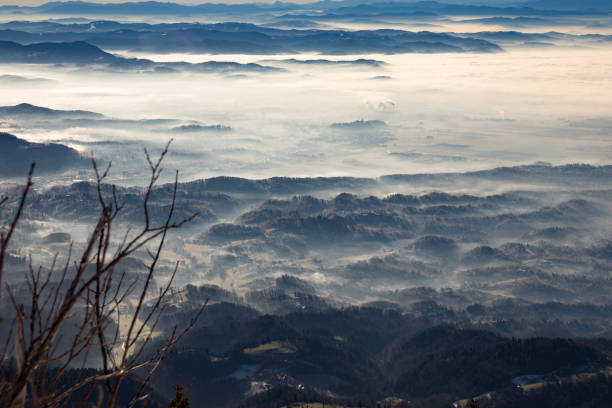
(78, 52)
(17, 154)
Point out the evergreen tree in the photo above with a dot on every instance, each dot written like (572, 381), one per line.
(180, 398)
(473, 404)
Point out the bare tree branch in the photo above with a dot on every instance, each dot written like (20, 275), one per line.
(77, 312)
(5, 237)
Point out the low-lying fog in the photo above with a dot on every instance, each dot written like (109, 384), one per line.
(476, 185)
(437, 112)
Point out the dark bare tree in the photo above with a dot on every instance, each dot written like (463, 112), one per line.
(85, 307)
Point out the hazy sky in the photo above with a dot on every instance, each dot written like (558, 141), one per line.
(38, 2)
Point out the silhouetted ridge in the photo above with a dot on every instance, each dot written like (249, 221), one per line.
(78, 52)
(17, 154)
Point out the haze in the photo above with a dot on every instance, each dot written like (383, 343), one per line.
(386, 194)
(189, 2)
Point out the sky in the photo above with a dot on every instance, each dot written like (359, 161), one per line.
(39, 2)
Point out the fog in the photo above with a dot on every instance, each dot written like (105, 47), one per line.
(378, 195)
(442, 112)
(542, 100)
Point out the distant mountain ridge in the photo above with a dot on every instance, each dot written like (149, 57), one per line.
(603, 5)
(62, 119)
(236, 38)
(82, 53)
(573, 173)
(52, 53)
(26, 109)
(168, 8)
